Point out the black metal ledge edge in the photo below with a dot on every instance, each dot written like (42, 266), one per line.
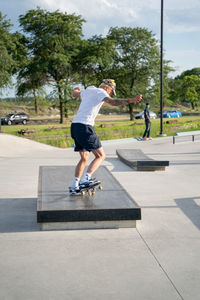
(150, 162)
(89, 215)
(159, 163)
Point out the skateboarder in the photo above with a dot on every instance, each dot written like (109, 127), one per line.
(82, 131)
(147, 131)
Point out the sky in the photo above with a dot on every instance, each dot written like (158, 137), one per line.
(181, 22)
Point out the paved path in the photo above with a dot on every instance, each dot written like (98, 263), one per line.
(158, 260)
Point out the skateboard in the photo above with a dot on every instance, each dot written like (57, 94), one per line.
(90, 189)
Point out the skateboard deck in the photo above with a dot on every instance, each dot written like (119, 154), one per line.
(90, 189)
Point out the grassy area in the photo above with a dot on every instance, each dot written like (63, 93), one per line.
(58, 135)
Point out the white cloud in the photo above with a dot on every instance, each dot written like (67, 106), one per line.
(183, 60)
(100, 15)
(180, 15)
(181, 4)
(107, 3)
(182, 28)
(184, 53)
(181, 19)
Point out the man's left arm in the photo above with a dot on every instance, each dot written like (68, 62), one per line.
(121, 101)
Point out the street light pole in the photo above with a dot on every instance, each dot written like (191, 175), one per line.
(161, 70)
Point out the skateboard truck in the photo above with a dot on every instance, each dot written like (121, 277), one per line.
(91, 189)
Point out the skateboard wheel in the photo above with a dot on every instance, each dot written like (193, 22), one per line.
(89, 193)
(93, 193)
(100, 187)
(83, 193)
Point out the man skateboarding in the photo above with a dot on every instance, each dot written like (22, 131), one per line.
(82, 131)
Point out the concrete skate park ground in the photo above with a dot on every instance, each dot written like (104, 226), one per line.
(158, 260)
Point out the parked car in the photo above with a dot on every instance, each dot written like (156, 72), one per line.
(172, 114)
(141, 115)
(14, 118)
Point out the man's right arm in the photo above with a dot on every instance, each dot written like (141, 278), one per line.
(76, 92)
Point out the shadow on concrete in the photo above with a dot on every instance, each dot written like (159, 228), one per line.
(180, 162)
(173, 153)
(183, 162)
(18, 215)
(190, 208)
(118, 166)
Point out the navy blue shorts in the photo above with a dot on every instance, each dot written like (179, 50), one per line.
(85, 137)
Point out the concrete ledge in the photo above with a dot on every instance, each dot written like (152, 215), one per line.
(136, 159)
(186, 133)
(88, 225)
(109, 208)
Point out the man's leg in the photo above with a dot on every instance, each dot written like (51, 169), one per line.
(79, 171)
(99, 158)
(148, 130)
(82, 163)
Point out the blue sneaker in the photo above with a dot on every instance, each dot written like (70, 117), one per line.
(87, 183)
(74, 191)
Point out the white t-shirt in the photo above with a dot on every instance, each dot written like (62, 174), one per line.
(92, 100)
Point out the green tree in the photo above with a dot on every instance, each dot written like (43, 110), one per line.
(6, 61)
(136, 61)
(53, 41)
(94, 61)
(189, 90)
(12, 52)
(176, 85)
(31, 81)
(167, 86)
(194, 71)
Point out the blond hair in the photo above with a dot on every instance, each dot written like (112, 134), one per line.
(103, 85)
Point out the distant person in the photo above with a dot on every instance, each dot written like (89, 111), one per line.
(146, 135)
(82, 131)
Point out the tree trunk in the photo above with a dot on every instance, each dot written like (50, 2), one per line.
(66, 109)
(61, 104)
(61, 111)
(66, 112)
(193, 106)
(131, 112)
(131, 105)
(132, 83)
(35, 102)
